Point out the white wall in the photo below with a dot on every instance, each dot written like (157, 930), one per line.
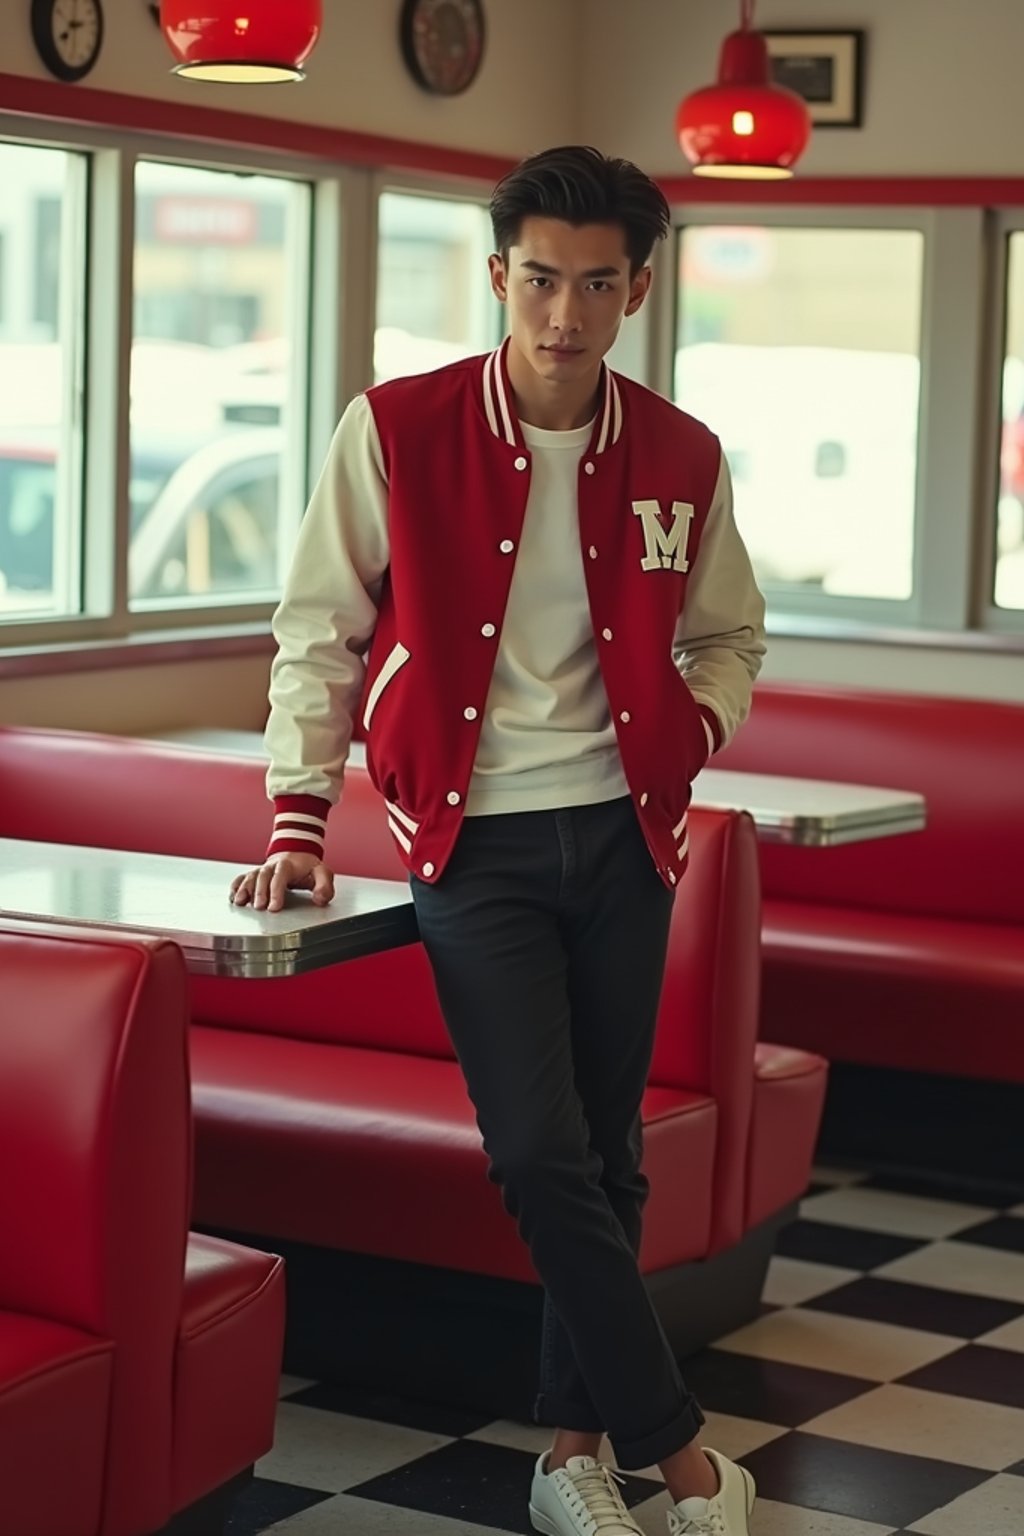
(525, 96)
(943, 81)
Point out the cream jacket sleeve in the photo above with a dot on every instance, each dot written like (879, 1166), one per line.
(720, 637)
(328, 613)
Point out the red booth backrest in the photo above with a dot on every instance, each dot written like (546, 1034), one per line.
(965, 756)
(95, 1143)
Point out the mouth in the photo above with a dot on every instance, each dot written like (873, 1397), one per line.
(564, 351)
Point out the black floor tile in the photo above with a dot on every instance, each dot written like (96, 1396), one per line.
(726, 1382)
(976, 1371)
(944, 1187)
(823, 1242)
(860, 1482)
(1003, 1232)
(476, 1482)
(1017, 1469)
(917, 1306)
(265, 1502)
(387, 1408)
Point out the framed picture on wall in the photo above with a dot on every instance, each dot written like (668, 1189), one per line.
(825, 68)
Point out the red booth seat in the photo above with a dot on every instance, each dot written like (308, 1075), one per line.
(138, 1364)
(344, 1080)
(908, 951)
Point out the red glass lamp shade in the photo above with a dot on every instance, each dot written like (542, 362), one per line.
(744, 126)
(243, 41)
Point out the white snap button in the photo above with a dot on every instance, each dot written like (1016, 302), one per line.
(606, 633)
(643, 798)
(428, 870)
(589, 467)
(624, 717)
(506, 546)
(470, 713)
(520, 462)
(453, 797)
(488, 630)
(672, 876)
(592, 552)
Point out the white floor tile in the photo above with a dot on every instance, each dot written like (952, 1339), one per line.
(1009, 1336)
(962, 1267)
(917, 1423)
(519, 1437)
(880, 1210)
(853, 1346)
(362, 1517)
(334, 1451)
(995, 1508)
(791, 1281)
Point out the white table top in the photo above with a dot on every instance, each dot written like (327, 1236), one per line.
(188, 901)
(809, 813)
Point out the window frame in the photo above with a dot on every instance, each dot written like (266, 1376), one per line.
(954, 263)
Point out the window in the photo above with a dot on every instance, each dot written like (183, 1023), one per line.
(1009, 561)
(42, 202)
(434, 300)
(800, 348)
(220, 259)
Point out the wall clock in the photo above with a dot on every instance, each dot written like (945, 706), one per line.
(443, 43)
(68, 35)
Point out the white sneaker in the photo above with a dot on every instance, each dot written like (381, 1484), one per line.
(727, 1514)
(579, 1499)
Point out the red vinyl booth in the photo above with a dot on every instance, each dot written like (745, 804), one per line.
(906, 952)
(139, 1363)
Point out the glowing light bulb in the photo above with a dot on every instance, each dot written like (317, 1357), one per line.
(743, 123)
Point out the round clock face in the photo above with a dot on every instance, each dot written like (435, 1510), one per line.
(68, 35)
(443, 42)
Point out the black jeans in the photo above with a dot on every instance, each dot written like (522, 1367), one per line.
(547, 935)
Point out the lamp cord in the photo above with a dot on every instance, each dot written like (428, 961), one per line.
(746, 14)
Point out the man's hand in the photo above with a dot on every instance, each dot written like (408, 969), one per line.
(265, 887)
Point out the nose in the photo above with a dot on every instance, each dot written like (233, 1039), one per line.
(566, 312)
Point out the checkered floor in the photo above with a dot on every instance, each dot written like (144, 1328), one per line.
(880, 1391)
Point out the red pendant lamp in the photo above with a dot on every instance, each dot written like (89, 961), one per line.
(744, 126)
(241, 41)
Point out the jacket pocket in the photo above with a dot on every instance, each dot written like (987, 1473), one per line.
(395, 661)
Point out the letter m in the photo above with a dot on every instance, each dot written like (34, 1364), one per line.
(665, 549)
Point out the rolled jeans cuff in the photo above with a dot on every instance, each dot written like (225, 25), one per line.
(633, 1454)
(559, 1413)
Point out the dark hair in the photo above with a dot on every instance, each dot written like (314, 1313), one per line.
(581, 186)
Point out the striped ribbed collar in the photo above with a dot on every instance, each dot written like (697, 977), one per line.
(503, 422)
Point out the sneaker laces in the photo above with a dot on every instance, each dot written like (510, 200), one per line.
(598, 1497)
(710, 1524)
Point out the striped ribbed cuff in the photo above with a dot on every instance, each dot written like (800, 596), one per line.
(300, 825)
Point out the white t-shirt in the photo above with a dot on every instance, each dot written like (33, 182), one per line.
(547, 738)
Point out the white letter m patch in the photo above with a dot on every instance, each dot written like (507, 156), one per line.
(665, 550)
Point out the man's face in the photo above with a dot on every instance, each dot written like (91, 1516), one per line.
(568, 289)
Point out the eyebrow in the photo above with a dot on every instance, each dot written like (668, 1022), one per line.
(538, 266)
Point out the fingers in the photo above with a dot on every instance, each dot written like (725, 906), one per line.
(265, 888)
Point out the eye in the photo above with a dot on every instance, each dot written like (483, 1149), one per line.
(601, 285)
(540, 281)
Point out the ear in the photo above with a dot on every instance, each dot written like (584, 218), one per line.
(499, 278)
(639, 288)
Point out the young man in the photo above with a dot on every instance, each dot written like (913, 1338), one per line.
(564, 626)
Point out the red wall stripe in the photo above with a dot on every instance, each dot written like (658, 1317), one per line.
(53, 102)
